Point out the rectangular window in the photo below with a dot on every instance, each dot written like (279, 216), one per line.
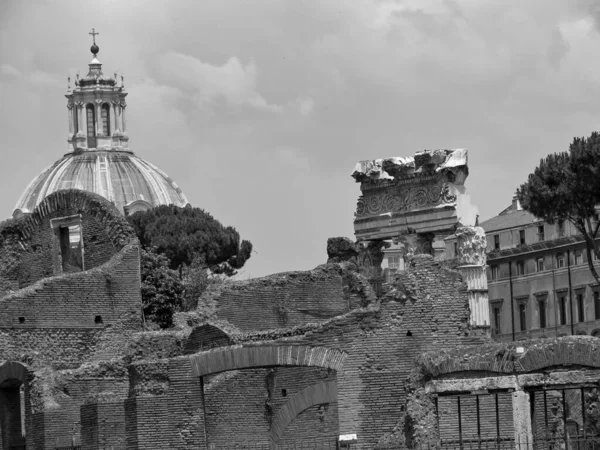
(456, 249)
(578, 257)
(560, 260)
(541, 233)
(540, 264)
(580, 308)
(497, 320)
(597, 305)
(562, 307)
(91, 131)
(496, 242)
(71, 248)
(542, 311)
(69, 244)
(520, 267)
(523, 316)
(522, 237)
(495, 272)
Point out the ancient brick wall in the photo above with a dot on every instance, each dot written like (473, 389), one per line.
(471, 427)
(288, 299)
(56, 398)
(242, 405)
(34, 244)
(110, 292)
(11, 252)
(426, 309)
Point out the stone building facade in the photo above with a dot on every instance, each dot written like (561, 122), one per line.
(540, 284)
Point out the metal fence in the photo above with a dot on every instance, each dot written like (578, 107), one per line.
(574, 443)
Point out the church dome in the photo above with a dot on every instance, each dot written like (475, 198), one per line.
(99, 160)
(131, 183)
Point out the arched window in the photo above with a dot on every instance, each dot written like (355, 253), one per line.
(105, 119)
(91, 126)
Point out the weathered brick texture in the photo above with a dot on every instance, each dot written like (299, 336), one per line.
(288, 299)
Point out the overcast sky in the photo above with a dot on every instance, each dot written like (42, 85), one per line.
(259, 109)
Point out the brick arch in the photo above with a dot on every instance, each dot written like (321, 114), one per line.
(317, 394)
(575, 351)
(12, 370)
(117, 228)
(247, 357)
(205, 337)
(583, 351)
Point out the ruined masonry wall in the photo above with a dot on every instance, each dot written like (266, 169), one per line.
(284, 300)
(74, 300)
(42, 252)
(432, 304)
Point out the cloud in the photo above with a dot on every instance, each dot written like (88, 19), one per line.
(232, 82)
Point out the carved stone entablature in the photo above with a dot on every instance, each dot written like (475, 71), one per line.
(421, 194)
(400, 199)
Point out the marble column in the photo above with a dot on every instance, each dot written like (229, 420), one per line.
(70, 117)
(471, 258)
(115, 125)
(123, 121)
(119, 117)
(80, 124)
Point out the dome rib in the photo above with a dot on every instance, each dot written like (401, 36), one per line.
(119, 176)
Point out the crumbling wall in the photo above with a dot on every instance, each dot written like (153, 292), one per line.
(287, 299)
(29, 248)
(426, 309)
(11, 252)
(56, 397)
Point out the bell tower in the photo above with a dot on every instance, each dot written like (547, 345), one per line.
(96, 109)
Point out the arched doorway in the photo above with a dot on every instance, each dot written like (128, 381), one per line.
(12, 405)
(12, 414)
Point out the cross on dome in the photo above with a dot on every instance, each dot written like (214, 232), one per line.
(94, 48)
(93, 34)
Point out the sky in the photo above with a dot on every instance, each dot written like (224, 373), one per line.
(260, 109)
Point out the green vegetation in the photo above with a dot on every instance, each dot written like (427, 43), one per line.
(566, 187)
(184, 251)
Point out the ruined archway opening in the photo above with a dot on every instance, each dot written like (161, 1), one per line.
(12, 413)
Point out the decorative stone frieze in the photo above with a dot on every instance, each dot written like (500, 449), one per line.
(419, 194)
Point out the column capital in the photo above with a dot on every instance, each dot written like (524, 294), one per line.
(70, 106)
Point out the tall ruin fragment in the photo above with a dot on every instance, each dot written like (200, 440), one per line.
(420, 203)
